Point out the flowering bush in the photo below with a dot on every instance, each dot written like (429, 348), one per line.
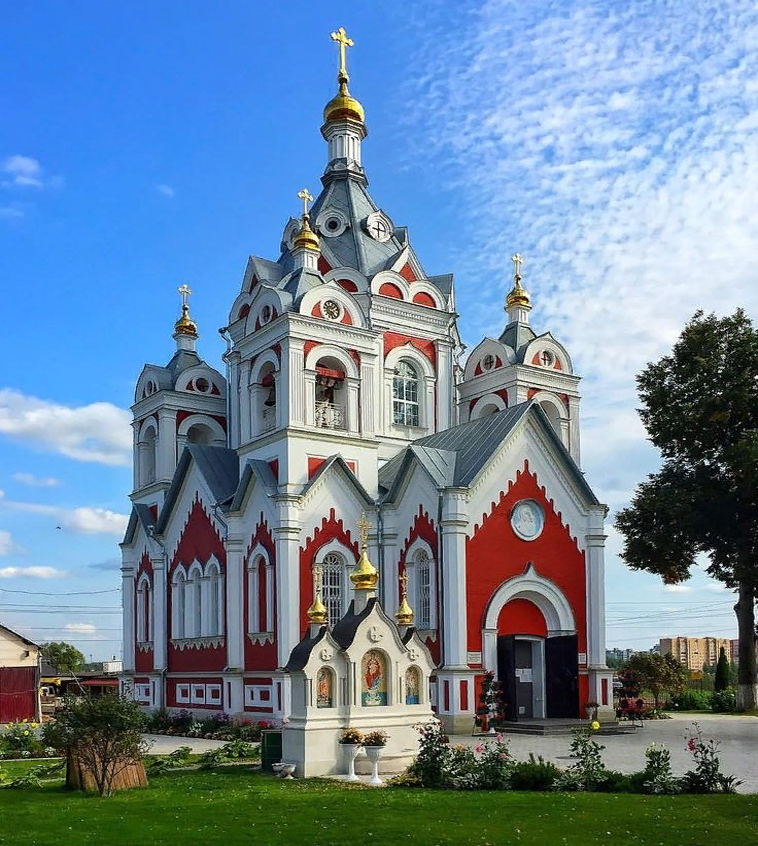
(22, 737)
(707, 776)
(375, 738)
(657, 775)
(216, 726)
(588, 771)
(351, 737)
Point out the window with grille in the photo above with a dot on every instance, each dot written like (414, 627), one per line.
(332, 569)
(405, 411)
(424, 576)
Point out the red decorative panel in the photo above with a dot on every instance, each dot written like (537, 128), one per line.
(464, 695)
(446, 695)
(389, 289)
(313, 465)
(422, 298)
(323, 265)
(244, 311)
(521, 617)
(253, 282)
(408, 274)
(260, 656)
(392, 340)
(604, 691)
(274, 465)
(348, 285)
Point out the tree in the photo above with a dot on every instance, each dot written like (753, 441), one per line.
(721, 682)
(700, 408)
(103, 732)
(63, 656)
(656, 673)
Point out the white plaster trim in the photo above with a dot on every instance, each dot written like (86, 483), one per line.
(548, 342)
(420, 286)
(554, 400)
(197, 642)
(268, 356)
(331, 351)
(333, 291)
(202, 420)
(487, 345)
(393, 278)
(407, 350)
(484, 402)
(144, 646)
(545, 594)
(260, 637)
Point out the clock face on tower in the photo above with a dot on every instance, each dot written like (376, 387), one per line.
(332, 309)
(379, 226)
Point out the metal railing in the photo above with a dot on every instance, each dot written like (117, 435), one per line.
(330, 416)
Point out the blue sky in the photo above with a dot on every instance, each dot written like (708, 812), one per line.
(150, 144)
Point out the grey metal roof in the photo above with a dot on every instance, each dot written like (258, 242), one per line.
(140, 514)
(261, 470)
(338, 462)
(219, 467)
(439, 463)
(302, 651)
(344, 629)
(517, 336)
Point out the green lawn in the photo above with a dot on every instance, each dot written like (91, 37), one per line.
(230, 807)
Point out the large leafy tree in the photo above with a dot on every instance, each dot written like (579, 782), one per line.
(656, 673)
(700, 408)
(63, 656)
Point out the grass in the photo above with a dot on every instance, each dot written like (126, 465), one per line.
(234, 805)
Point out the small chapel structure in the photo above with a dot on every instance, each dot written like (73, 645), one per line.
(346, 390)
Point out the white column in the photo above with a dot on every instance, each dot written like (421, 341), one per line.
(296, 367)
(453, 525)
(429, 421)
(285, 385)
(166, 458)
(233, 389)
(159, 630)
(574, 448)
(136, 456)
(127, 604)
(245, 413)
(595, 572)
(444, 384)
(287, 539)
(353, 393)
(235, 634)
(309, 397)
(367, 398)
(388, 583)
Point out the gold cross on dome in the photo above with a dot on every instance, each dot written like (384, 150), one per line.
(341, 38)
(185, 292)
(404, 582)
(317, 579)
(305, 196)
(364, 525)
(518, 261)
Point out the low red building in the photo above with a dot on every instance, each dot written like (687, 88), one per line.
(19, 677)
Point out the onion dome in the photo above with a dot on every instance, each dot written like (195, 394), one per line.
(404, 613)
(518, 296)
(364, 577)
(306, 237)
(343, 106)
(317, 611)
(185, 325)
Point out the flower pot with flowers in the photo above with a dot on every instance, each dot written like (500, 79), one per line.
(590, 709)
(374, 743)
(351, 741)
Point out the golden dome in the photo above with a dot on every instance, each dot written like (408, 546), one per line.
(364, 577)
(306, 237)
(185, 325)
(404, 614)
(519, 296)
(317, 611)
(343, 106)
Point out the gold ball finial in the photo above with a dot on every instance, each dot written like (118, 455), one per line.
(404, 613)
(317, 613)
(365, 576)
(343, 106)
(518, 296)
(185, 325)
(306, 238)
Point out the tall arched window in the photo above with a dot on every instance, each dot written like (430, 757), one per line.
(424, 581)
(193, 617)
(147, 456)
(332, 573)
(144, 607)
(179, 604)
(405, 405)
(213, 579)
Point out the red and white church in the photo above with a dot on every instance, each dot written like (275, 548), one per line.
(346, 393)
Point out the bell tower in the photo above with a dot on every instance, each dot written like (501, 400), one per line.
(183, 402)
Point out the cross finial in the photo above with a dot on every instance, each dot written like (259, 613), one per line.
(364, 525)
(518, 261)
(317, 579)
(185, 292)
(305, 196)
(340, 36)
(404, 582)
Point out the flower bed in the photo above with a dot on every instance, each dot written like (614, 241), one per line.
(213, 727)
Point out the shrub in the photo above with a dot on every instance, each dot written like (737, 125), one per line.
(657, 775)
(707, 776)
(690, 700)
(588, 770)
(429, 764)
(612, 781)
(22, 737)
(212, 759)
(33, 777)
(534, 774)
(724, 701)
(241, 749)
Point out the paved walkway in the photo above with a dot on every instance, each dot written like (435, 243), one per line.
(163, 744)
(738, 737)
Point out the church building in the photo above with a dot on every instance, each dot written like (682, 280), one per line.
(345, 392)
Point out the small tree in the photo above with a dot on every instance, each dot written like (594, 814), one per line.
(721, 682)
(63, 656)
(104, 733)
(657, 673)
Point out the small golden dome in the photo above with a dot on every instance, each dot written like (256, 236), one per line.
(343, 106)
(404, 614)
(317, 611)
(306, 237)
(519, 296)
(364, 577)
(185, 325)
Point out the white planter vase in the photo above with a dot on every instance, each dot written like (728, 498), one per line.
(351, 752)
(374, 754)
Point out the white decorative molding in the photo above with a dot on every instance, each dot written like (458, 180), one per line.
(145, 645)
(261, 637)
(197, 642)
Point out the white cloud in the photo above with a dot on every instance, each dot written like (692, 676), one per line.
(36, 481)
(10, 212)
(26, 172)
(84, 628)
(98, 432)
(678, 588)
(85, 520)
(166, 190)
(7, 544)
(32, 572)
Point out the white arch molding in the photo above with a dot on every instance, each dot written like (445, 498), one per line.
(426, 388)
(545, 594)
(483, 405)
(218, 436)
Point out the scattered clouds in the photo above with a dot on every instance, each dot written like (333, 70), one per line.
(85, 520)
(10, 212)
(32, 572)
(109, 564)
(84, 628)
(166, 190)
(36, 481)
(7, 544)
(678, 588)
(26, 172)
(99, 432)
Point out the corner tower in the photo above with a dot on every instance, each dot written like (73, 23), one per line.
(519, 366)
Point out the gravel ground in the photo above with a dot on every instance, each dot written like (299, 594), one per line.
(738, 738)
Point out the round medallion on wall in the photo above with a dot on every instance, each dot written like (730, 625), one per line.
(331, 222)
(332, 310)
(527, 519)
(488, 362)
(378, 226)
(266, 314)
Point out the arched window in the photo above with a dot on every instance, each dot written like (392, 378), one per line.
(332, 574)
(405, 405)
(199, 434)
(213, 580)
(412, 686)
(552, 415)
(193, 617)
(325, 688)
(424, 582)
(179, 604)
(147, 456)
(144, 608)
(373, 679)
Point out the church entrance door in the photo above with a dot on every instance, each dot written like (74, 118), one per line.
(524, 679)
(521, 671)
(562, 676)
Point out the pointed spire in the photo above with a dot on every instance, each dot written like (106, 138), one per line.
(185, 328)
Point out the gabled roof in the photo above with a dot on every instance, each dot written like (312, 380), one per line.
(23, 639)
(140, 514)
(473, 443)
(261, 471)
(338, 462)
(219, 467)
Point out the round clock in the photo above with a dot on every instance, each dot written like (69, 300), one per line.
(527, 519)
(332, 309)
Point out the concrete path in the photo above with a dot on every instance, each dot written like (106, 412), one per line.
(738, 737)
(163, 744)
